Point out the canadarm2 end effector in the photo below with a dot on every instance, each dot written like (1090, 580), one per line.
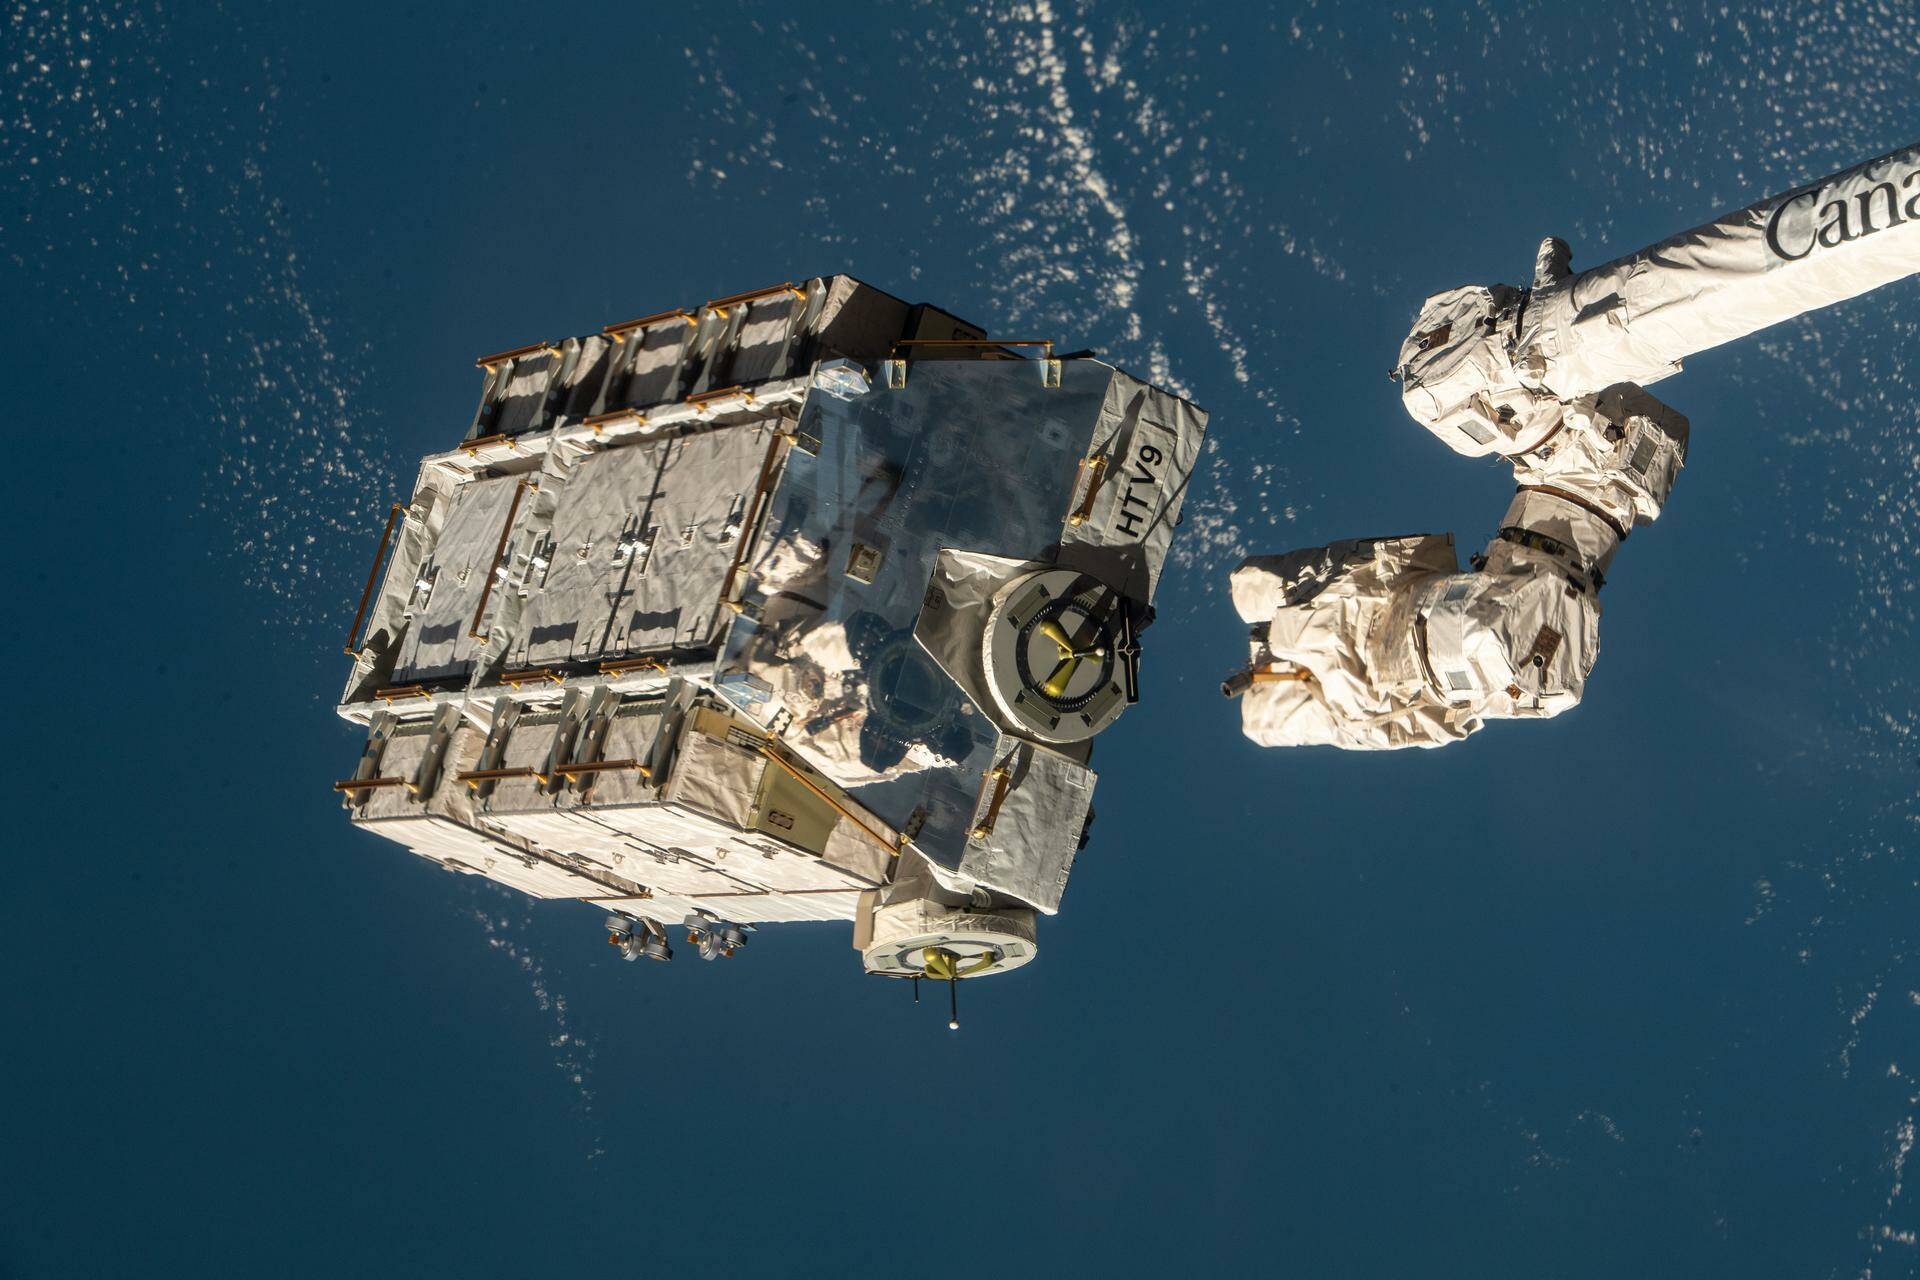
(1490, 369)
(1374, 644)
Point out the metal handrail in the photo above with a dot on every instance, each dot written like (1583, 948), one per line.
(1001, 776)
(891, 846)
(506, 530)
(975, 342)
(708, 397)
(617, 666)
(530, 675)
(474, 777)
(604, 766)
(1098, 469)
(352, 646)
(601, 420)
(619, 332)
(501, 357)
(755, 511)
(753, 295)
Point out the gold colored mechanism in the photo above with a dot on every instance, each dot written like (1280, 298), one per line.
(947, 966)
(1072, 654)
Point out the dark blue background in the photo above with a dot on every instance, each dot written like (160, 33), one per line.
(1628, 992)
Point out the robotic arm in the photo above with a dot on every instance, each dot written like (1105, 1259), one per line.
(1381, 643)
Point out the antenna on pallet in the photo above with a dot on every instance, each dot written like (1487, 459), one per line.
(942, 963)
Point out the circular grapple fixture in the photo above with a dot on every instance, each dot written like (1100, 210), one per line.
(1059, 654)
(923, 939)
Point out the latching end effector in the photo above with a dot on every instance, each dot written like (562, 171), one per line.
(1460, 376)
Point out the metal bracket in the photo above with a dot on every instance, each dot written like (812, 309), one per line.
(1000, 778)
(1128, 651)
(1093, 471)
(427, 777)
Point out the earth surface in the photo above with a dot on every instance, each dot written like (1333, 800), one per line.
(1631, 992)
